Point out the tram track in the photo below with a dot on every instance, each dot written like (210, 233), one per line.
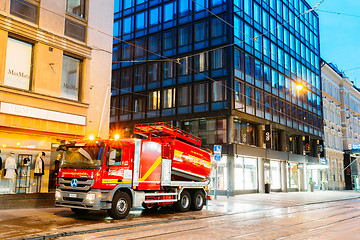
(186, 219)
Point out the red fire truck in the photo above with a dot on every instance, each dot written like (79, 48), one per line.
(164, 166)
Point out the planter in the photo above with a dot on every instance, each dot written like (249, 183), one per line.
(311, 187)
(267, 187)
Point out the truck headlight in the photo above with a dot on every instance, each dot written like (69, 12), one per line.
(57, 194)
(90, 197)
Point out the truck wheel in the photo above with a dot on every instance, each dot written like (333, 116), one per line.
(120, 206)
(184, 203)
(79, 211)
(198, 200)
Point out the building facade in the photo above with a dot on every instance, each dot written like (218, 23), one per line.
(341, 100)
(55, 75)
(227, 71)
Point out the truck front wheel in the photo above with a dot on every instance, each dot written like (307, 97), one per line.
(184, 203)
(120, 206)
(198, 200)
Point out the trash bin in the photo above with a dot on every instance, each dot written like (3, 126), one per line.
(267, 187)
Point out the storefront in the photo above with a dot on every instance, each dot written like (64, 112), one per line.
(295, 176)
(275, 175)
(36, 162)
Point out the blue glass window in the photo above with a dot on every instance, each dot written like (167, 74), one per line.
(217, 28)
(201, 5)
(185, 7)
(116, 28)
(128, 25)
(216, 2)
(117, 6)
(257, 13)
(128, 4)
(248, 34)
(169, 11)
(155, 16)
(169, 40)
(218, 58)
(238, 32)
(141, 21)
(154, 42)
(247, 7)
(200, 32)
(184, 36)
(138, 2)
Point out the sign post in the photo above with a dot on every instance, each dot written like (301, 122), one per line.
(217, 158)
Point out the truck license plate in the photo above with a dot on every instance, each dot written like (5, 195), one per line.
(72, 195)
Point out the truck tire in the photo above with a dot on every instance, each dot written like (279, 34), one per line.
(120, 206)
(80, 211)
(184, 203)
(198, 200)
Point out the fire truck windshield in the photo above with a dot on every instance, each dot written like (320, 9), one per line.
(85, 157)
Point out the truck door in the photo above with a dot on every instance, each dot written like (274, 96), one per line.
(118, 169)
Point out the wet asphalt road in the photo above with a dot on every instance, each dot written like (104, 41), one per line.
(318, 215)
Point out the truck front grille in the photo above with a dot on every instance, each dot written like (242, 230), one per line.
(83, 184)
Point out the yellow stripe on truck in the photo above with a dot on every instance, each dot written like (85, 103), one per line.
(116, 181)
(151, 169)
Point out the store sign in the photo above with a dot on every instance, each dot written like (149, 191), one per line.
(323, 161)
(307, 145)
(38, 113)
(354, 146)
(18, 64)
(268, 136)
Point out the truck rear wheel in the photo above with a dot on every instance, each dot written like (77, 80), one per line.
(198, 200)
(184, 203)
(120, 206)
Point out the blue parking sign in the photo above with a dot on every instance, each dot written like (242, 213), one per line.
(217, 157)
(217, 149)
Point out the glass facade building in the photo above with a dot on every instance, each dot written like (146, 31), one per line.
(223, 70)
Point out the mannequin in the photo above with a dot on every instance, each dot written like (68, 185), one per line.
(39, 170)
(10, 167)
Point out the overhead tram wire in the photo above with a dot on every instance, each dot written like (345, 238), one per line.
(178, 59)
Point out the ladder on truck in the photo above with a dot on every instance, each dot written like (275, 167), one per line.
(165, 130)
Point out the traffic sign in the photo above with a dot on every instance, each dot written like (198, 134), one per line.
(217, 149)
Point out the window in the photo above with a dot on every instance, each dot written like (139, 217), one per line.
(128, 4)
(184, 96)
(218, 93)
(184, 66)
(126, 78)
(169, 11)
(217, 27)
(76, 7)
(115, 156)
(153, 72)
(140, 48)
(154, 43)
(200, 32)
(201, 5)
(128, 25)
(125, 105)
(141, 21)
(185, 7)
(155, 16)
(139, 105)
(139, 75)
(184, 36)
(70, 80)
(218, 58)
(154, 100)
(257, 13)
(24, 10)
(201, 93)
(201, 62)
(169, 98)
(18, 64)
(169, 70)
(169, 40)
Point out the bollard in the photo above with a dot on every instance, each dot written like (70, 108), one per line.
(227, 193)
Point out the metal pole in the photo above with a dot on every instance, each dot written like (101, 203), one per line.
(217, 182)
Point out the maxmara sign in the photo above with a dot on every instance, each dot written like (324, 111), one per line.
(38, 113)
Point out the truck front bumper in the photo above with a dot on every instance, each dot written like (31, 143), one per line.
(91, 200)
